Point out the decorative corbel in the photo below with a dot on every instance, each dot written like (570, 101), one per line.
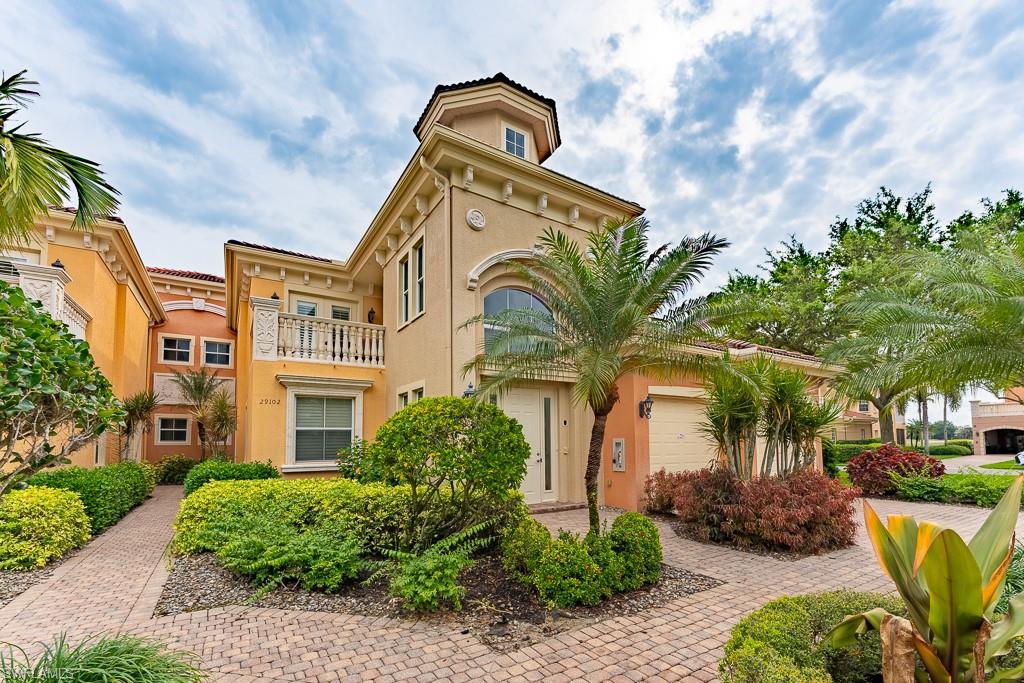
(330, 281)
(405, 225)
(283, 274)
(506, 191)
(87, 240)
(542, 204)
(381, 256)
(51, 233)
(305, 278)
(392, 242)
(422, 205)
(467, 177)
(574, 214)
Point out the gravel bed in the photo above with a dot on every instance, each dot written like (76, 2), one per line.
(498, 610)
(14, 583)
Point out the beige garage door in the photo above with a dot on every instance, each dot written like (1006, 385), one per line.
(676, 440)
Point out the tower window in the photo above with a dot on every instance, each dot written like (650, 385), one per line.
(515, 143)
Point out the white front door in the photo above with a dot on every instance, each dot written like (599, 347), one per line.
(534, 410)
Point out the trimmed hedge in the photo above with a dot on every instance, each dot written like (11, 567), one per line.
(38, 525)
(782, 641)
(983, 490)
(220, 470)
(375, 513)
(108, 493)
(174, 468)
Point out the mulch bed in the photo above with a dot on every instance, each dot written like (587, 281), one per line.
(498, 610)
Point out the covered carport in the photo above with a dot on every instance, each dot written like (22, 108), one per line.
(1003, 441)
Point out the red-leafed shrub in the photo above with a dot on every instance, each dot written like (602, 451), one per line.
(804, 513)
(872, 470)
(660, 490)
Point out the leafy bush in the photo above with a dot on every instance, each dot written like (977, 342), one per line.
(374, 513)
(635, 539)
(844, 452)
(219, 470)
(788, 634)
(917, 487)
(108, 492)
(567, 575)
(859, 442)
(38, 525)
(174, 468)
(463, 461)
(872, 470)
(50, 384)
(152, 474)
(1014, 579)
(522, 545)
(660, 491)
(805, 512)
(357, 462)
(270, 551)
(106, 658)
(966, 443)
(831, 457)
(980, 489)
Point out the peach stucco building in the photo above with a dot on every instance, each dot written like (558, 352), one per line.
(319, 352)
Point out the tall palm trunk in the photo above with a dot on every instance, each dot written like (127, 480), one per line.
(925, 429)
(945, 424)
(886, 430)
(594, 456)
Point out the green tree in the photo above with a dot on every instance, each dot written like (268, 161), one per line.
(35, 175)
(53, 398)
(617, 308)
(198, 389)
(138, 408)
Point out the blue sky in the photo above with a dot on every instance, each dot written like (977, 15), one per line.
(288, 122)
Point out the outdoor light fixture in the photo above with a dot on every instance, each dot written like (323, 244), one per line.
(57, 264)
(469, 392)
(274, 296)
(645, 407)
(370, 316)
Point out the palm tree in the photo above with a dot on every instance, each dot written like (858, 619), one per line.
(198, 389)
(219, 419)
(616, 309)
(138, 409)
(34, 175)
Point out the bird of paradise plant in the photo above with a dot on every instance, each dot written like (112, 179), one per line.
(951, 588)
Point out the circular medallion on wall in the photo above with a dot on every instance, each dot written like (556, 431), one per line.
(475, 218)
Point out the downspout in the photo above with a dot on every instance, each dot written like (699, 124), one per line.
(442, 184)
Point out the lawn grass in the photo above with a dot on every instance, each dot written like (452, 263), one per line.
(1004, 465)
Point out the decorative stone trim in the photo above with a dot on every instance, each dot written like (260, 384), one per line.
(494, 259)
(264, 327)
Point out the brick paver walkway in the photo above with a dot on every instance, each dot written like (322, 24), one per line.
(114, 583)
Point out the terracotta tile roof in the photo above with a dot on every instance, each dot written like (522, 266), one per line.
(496, 78)
(738, 344)
(190, 274)
(264, 247)
(74, 209)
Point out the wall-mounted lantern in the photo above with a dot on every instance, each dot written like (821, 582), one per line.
(274, 296)
(645, 407)
(371, 316)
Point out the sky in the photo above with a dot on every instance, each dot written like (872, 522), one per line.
(287, 123)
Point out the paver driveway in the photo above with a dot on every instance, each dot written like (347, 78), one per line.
(114, 584)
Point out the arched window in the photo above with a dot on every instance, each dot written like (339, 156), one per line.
(510, 298)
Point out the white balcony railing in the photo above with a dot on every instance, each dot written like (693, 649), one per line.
(74, 316)
(979, 409)
(329, 341)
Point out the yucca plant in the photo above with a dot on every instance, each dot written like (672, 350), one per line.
(732, 412)
(198, 389)
(951, 589)
(138, 408)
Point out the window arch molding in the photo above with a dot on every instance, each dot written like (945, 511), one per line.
(473, 278)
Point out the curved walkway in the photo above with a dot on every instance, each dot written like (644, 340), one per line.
(114, 583)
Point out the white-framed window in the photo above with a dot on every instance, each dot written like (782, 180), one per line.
(515, 142)
(403, 399)
(323, 426)
(341, 313)
(305, 307)
(217, 352)
(173, 429)
(835, 434)
(175, 350)
(509, 298)
(862, 406)
(403, 281)
(420, 268)
(324, 416)
(417, 394)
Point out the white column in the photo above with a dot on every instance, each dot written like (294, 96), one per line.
(264, 327)
(45, 284)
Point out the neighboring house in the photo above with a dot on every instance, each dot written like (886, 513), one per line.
(998, 426)
(194, 337)
(860, 422)
(96, 283)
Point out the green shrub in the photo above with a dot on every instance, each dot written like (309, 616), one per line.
(1014, 579)
(981, 489)
(462, 460)
(522, 545)
(356, 462)
(917, 487)
(152, 474)
(635, 539)
(174, 468)
(789, 632)
(375, 513)
(830, 457)
(106, 658)
(859, 442)
(108, 492)
(270, 551)
(844, 452)
(425, 581)
(219, 470)
(38, 525)
(613, 577)
(966, 443)
(950, 450)
(754, 662)
(567, 575)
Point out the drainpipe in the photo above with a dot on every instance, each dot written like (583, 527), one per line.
(443, 186)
